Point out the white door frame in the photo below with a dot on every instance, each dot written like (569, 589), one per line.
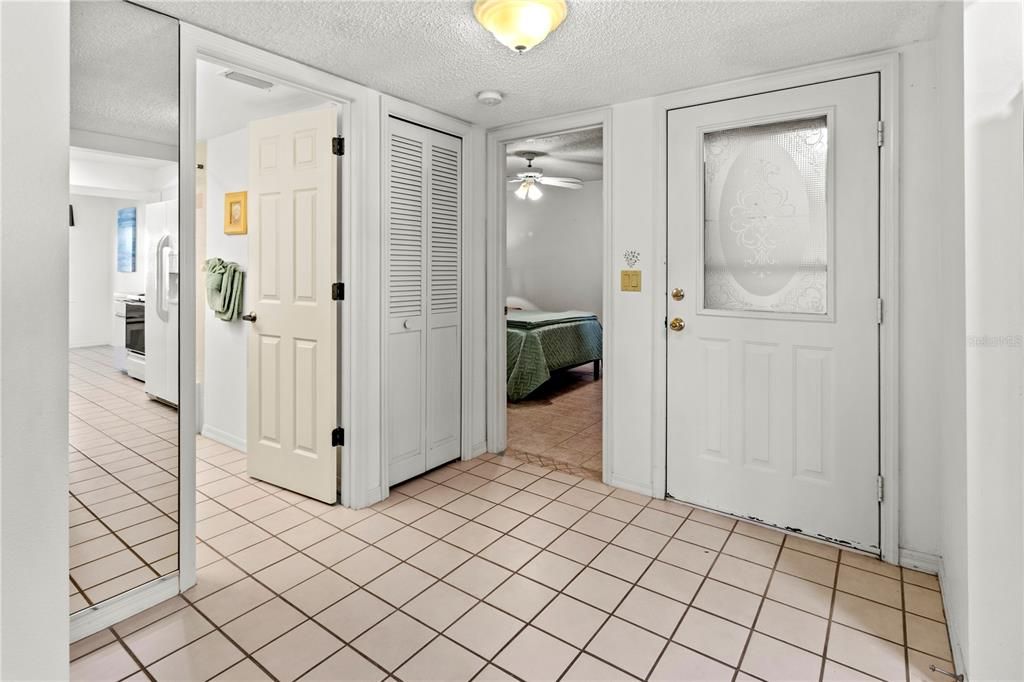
(359, 208)
(886, 64)
(497, 216)
(472, 139)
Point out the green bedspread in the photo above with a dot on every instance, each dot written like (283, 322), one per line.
(539, 343)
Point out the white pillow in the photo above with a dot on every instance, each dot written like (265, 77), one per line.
(518, 303)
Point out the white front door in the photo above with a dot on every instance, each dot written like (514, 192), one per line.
(773, 389)
(293, 262)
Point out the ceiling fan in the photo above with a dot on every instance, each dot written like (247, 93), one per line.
(531, 177)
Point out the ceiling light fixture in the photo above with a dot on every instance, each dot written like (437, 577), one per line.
(529, 190)
(520, 24)
(531, 178)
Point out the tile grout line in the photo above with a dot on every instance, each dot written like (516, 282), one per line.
(128, 547)
(506, 533)
(831, 613)
(362, 587)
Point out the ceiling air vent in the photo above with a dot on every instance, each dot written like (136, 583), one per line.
(248, 80)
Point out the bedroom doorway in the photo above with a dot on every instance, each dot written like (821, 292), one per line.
(554, 300)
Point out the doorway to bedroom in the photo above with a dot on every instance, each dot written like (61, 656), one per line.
(554, 300)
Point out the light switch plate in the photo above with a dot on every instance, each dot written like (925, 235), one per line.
(630, 280)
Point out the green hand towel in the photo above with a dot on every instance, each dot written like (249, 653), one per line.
(224, 288)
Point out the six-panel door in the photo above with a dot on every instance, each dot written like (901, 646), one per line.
(293, 369)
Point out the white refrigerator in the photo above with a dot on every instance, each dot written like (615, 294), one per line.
(161, 225)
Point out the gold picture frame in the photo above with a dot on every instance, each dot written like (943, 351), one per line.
(235, 213)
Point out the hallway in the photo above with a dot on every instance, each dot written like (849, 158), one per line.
(492, 569)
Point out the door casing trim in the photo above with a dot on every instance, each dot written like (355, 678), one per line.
(358, 107)
(887, 65)
(497, 138)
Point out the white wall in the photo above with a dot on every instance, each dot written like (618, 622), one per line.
(91, 265)
(994, 230)
(111, 177)
(554, 249)
(34, 106)
(951, 339)
(638, 317)
(922, 227)
(225, 343)
(99, 185)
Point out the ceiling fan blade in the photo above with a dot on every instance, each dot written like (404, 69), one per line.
(566, 183)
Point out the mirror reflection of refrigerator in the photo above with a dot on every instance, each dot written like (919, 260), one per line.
(161, 225)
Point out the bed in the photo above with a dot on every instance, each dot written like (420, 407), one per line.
(541, 342)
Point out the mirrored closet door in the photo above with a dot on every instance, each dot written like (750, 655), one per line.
(123, 329)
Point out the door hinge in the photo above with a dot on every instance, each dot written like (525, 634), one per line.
(337, 437)
(880, 483)
(878, 310)
(881, 133)
(338, 291)
(338, 146)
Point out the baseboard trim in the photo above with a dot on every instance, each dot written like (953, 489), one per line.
(224, 438)
(617, 482)
(478, 449)
(952, 625)
(920, 561)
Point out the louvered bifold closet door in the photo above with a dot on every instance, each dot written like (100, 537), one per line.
(444, 240)
(423, 240)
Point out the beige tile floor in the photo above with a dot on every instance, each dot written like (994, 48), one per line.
(123, 460)
(493, 570)
(559, 424)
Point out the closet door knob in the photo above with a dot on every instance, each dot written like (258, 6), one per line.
(251, 317)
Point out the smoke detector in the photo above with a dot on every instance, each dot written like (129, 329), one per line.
(490, 98)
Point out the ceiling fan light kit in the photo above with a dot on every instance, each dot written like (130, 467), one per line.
(531, 177)
(528, 189)
(520, 24)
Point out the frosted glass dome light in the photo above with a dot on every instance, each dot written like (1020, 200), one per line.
(520, 24)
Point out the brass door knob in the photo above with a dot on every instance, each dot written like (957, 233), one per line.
(677, 324)
(677, 294)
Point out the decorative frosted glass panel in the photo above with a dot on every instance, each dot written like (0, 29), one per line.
(765, 218)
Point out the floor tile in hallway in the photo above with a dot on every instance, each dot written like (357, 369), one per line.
(123, 461)
(559, 424)
(495, 569)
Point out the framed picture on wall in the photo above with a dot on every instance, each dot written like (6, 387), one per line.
(235, 220)
(126, 239)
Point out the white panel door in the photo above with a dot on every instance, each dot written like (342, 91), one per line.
(292, 359)
(772, 361)
(424, 225)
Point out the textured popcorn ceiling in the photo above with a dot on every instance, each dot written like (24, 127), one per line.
(574, 155)
(435, 54)
(124, 71)
(124, 59)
